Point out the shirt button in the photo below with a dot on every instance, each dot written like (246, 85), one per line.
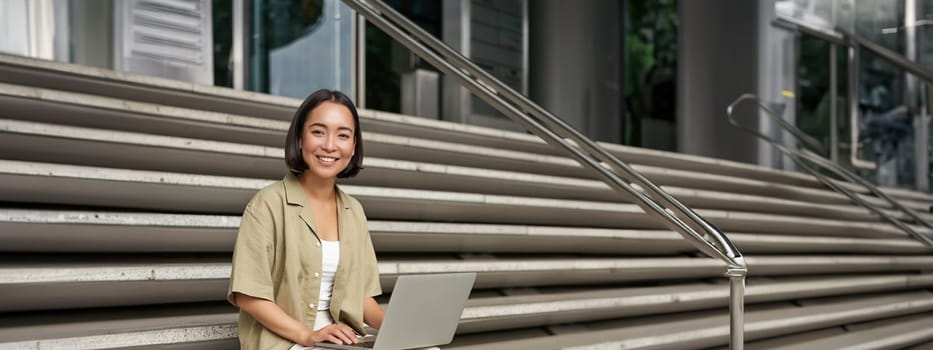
(317, 274)
(317, 244)
(311, 306)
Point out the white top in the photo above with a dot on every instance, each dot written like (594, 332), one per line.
(330, 258)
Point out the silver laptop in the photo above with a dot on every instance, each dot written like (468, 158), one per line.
(424, 310)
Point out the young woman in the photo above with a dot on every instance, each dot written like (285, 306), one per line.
(304, 268)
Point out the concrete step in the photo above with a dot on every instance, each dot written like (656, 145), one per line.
(907, 195)
(85, 146)
(140, 88)
(186, 326)
(73, 231)
(66, 108)
(707, 329)
(896, 333)
(53, 143)
(62, 282)
(79, 185)
(565, 307)
(133, 87)
(129, 115)
(33, 141)
(25, 230)
(395, 236)
(196, 323)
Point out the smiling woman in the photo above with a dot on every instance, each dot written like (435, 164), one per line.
(298, 236)
(321, 109)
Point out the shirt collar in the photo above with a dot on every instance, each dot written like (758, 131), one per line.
(295, 193)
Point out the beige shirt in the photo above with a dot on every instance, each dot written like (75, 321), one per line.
(277, 257)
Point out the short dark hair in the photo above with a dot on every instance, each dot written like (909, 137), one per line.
(294, 160)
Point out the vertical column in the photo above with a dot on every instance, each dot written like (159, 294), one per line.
(833, 105)
(576, 63)
(913, 97)
(237, 48)
(922, 141)
(718, 48)
(456, 33)
(359, 61)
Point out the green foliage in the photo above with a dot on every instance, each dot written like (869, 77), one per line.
(650, 62)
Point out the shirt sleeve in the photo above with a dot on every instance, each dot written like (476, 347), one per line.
(251, 271)
(372, 286)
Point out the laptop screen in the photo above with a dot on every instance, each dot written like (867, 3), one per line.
(424, 310)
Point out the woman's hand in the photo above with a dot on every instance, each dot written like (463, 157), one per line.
(337, 333)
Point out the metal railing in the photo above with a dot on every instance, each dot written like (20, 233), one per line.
(617, 174)
(805, 158)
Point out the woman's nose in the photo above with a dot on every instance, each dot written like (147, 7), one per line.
(329, 144)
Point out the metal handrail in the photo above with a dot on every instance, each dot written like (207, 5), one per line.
(490, 84)
(844, 38)
(799, 158)
(625, 180)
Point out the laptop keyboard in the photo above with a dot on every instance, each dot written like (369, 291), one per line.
(361, 345)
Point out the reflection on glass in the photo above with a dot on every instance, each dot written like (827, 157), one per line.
(222, 25)
(387, 60)
(814, 90)
(90, 33)
(887, 108)
(300, 46)
(886, 123)
(813, 13)
(829, 15)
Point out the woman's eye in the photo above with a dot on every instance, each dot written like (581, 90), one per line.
(344, 136)
(317, 132)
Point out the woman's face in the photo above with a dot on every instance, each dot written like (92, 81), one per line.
(327, 140)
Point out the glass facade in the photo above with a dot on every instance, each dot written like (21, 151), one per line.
(814, 89)
(223, 43)
(387, 60)
(497, 46)
(889, 143)
(650, 72)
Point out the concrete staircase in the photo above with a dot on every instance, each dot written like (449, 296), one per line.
(120, 197)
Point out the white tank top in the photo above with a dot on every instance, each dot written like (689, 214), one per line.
(330, 258)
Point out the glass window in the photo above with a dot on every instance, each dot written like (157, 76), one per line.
(650, 73)
(223, 42)
(387, 60)
(300, 46)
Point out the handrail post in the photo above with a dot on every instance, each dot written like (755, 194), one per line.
(736, 276)
(852, 95)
